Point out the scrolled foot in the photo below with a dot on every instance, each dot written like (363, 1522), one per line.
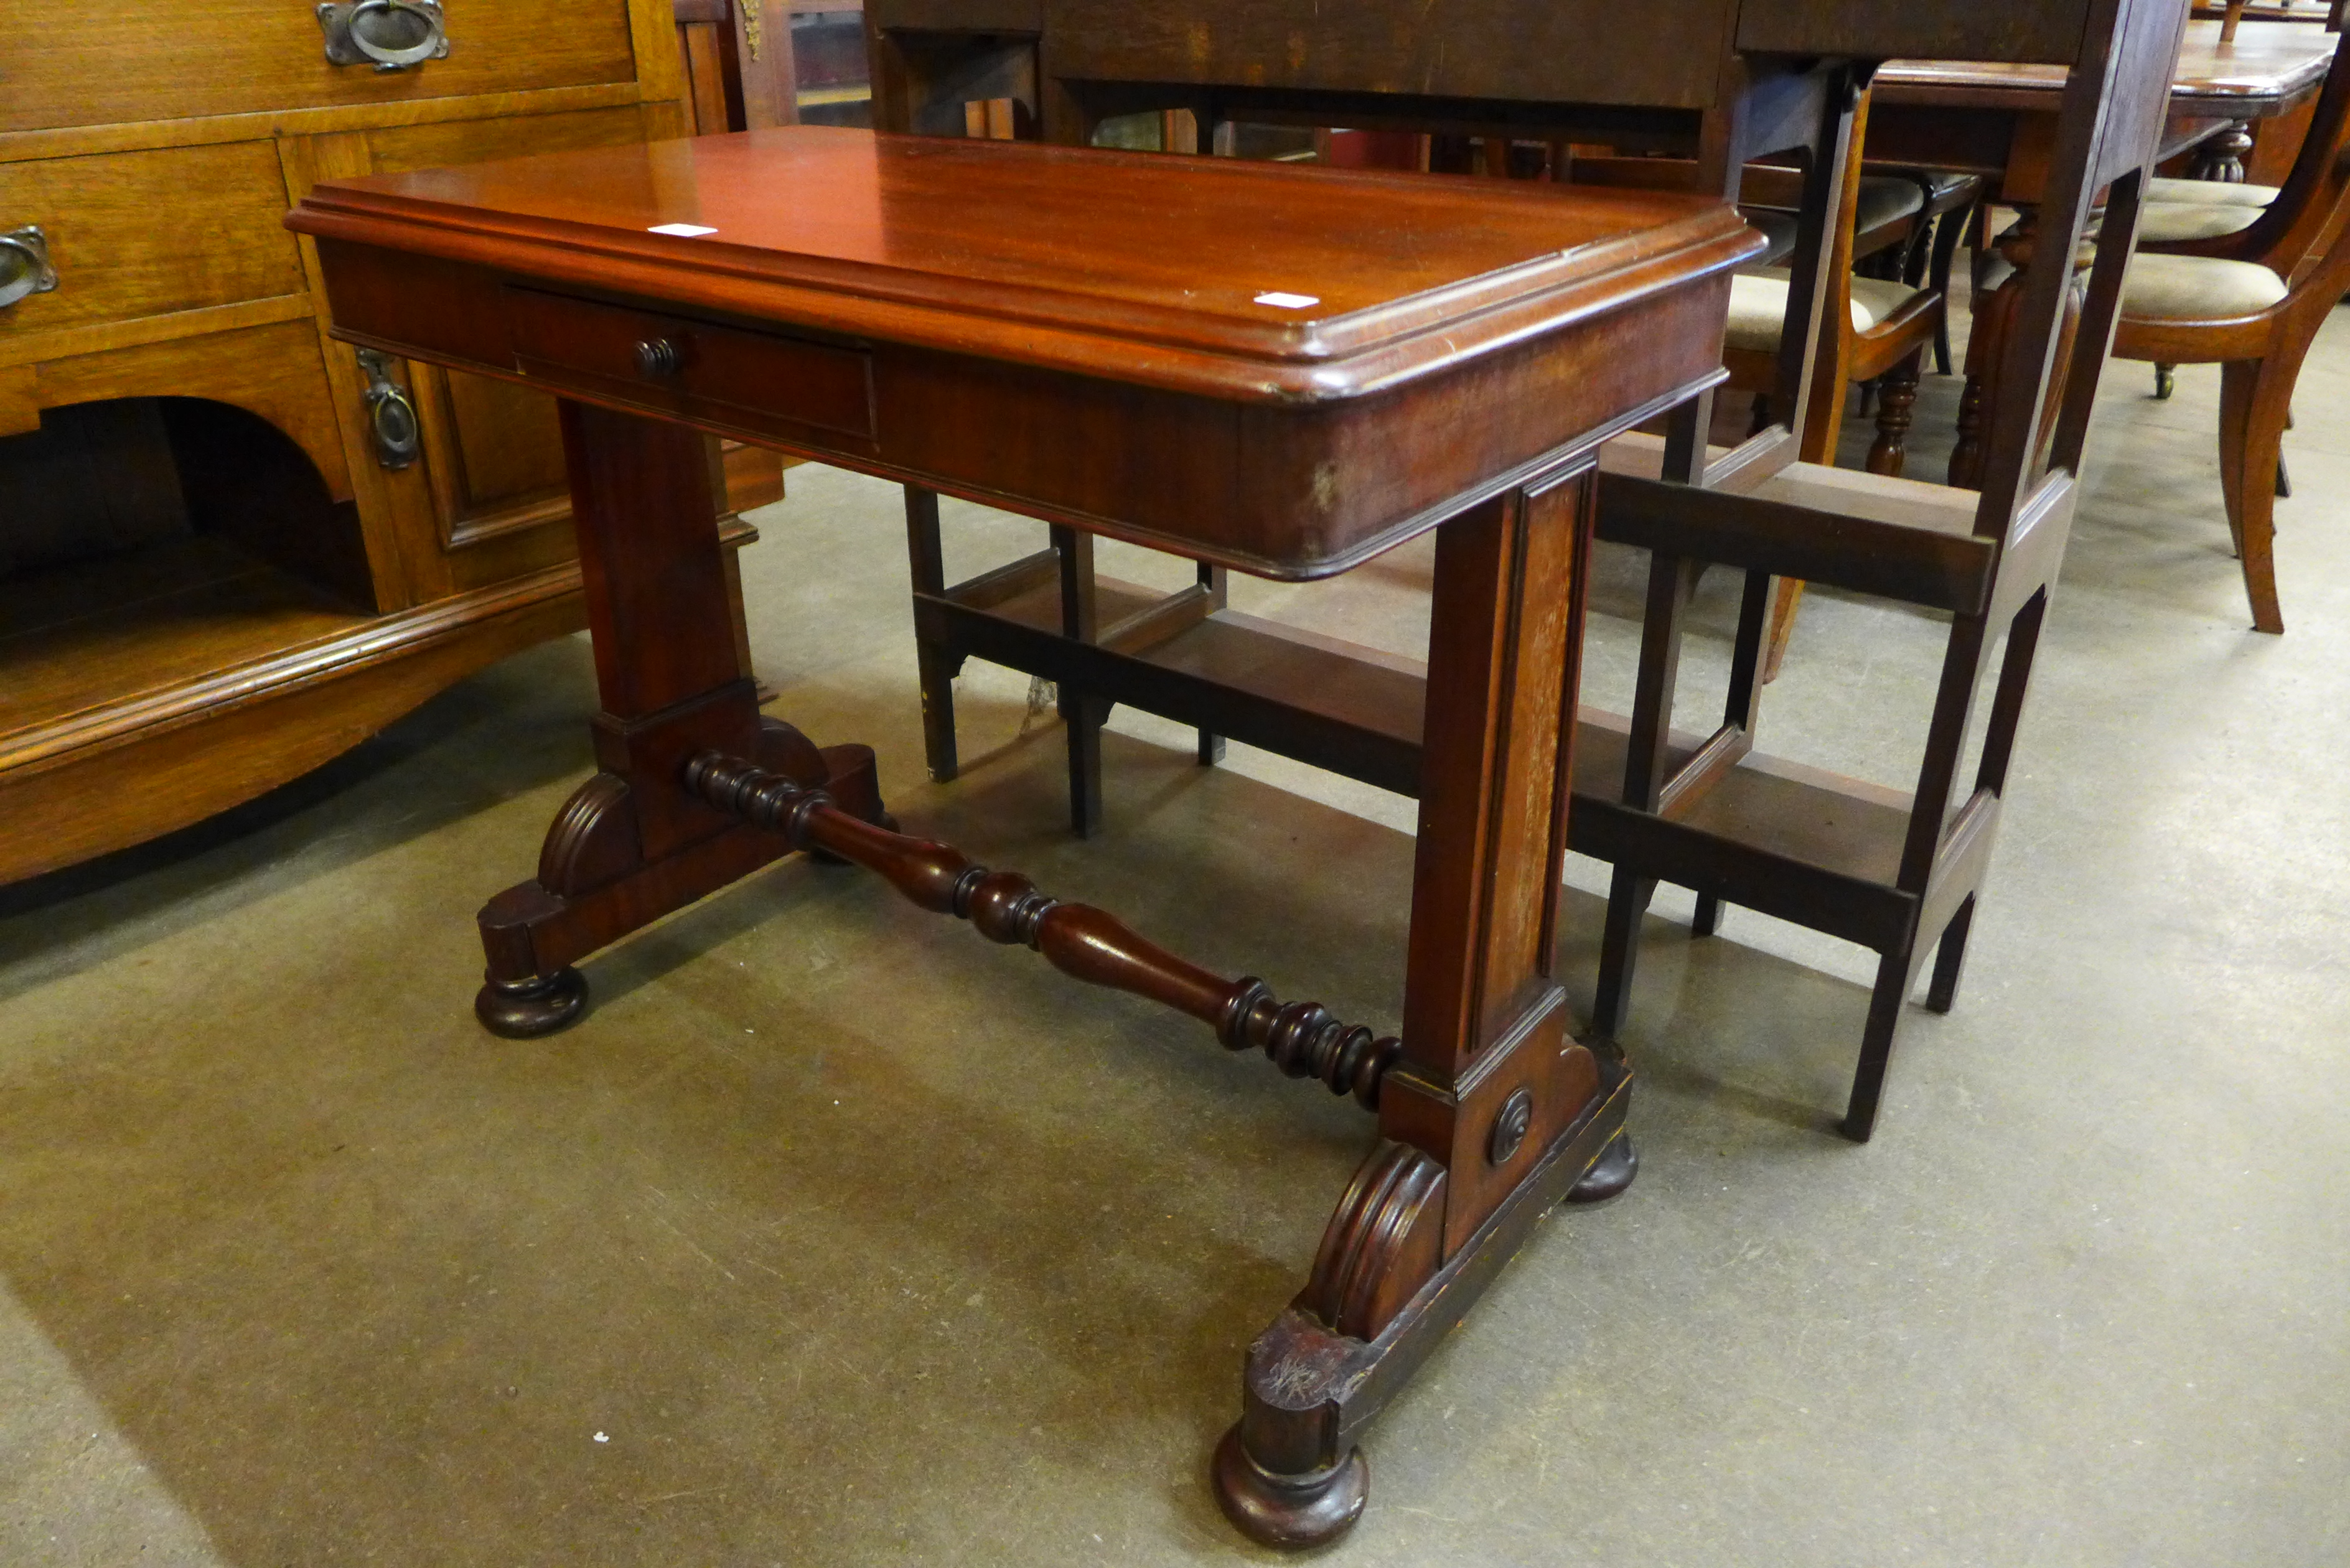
(1610, 1174)
(1289, 1511)
(526, 1009)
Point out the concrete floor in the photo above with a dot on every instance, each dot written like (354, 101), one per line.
(838, 1236)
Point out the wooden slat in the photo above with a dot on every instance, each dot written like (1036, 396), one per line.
(1920, 565)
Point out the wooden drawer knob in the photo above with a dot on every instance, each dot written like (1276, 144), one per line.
(659, 359)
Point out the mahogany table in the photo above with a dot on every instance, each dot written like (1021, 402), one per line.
(1369, 357)
(2000, 121)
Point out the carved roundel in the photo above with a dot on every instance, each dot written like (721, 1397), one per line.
(1510, 1126)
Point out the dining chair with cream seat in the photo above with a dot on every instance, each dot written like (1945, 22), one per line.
(2251, 300)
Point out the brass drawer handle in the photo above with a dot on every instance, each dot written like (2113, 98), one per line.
(24, 264)
(659, 359)
(393, 33)
(392, 417)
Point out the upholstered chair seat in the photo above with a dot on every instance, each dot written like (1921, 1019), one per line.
(2192, 288)
(1758, 307)
(2208, 193)
(2166, 223)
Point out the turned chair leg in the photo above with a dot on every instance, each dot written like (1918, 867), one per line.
(1896, 407)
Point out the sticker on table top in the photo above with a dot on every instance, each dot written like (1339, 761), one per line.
(1288, 301)
(682, 231)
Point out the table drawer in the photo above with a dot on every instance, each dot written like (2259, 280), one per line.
(142, 233)
(725, 375)
(77, 62)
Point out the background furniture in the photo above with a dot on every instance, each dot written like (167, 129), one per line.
(2250, 292)
(916, 311)
(1999, 119)
(1898, 872)
(1487, 80)
(230, 550)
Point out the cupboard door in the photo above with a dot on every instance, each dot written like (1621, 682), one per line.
(80, 62)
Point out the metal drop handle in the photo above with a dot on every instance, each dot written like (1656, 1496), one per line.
(391, 34)
(392, 417)
(24, 264)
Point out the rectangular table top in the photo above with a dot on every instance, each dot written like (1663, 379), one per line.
(2270, 67)
(1251, 282)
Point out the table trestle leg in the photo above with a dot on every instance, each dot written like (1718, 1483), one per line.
(1491, 1111)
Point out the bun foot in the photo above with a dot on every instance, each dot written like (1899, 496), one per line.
(526, 1008)
(1289, 1511)
(1610, 1174)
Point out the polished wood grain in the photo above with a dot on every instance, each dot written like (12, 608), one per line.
(1006, 321)
(80, 63)
(178, 282)
(1352, 373)
(149, 233)
(899, 208)
(2269, 69)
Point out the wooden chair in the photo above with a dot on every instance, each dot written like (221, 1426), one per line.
(2250, 298)
(1871, 330)
(1898, 873)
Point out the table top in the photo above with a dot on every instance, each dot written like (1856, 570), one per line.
(2271, 66)
(1247, 281)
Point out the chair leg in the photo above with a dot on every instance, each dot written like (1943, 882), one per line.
(1619, 950)
(2252, 400)
(1083, 717)
(1949, 958)
(1707, 919)
(1783, 626)
(1949, 231)
(2165, 382)
(1896, 406)
(1877, 1045)
(937, 663)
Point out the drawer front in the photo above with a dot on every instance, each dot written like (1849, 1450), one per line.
(749, 381)
(82, 63)
(142, 233)
(444, 144)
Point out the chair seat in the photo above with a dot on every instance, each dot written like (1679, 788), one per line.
(1758, 305)
(2190, 288)
(2208, 193)
(2163, 222)
(1886, 199)
(1942, 186)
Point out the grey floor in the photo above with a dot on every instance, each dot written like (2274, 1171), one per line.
(837, 1236)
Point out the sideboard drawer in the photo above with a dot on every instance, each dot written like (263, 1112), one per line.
(82, 63)
(725, 375)
(143, 233)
